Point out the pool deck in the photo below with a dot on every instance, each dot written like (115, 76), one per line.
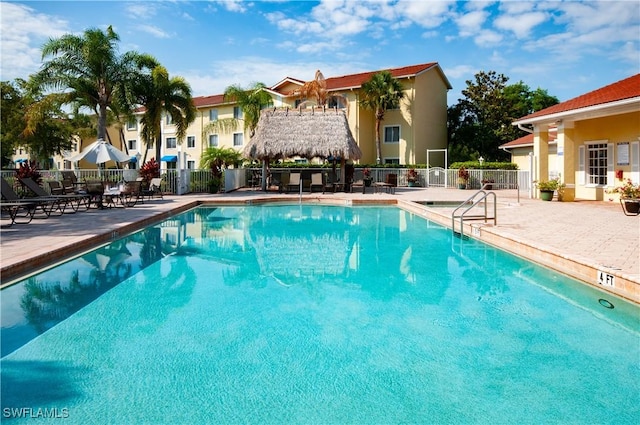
(588, 240)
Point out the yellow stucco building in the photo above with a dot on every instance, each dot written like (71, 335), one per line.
(406, 133)
(591, 142)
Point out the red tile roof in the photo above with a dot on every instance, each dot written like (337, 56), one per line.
(527, 140)
(356, 80)
(208, 100)
(621, 90)
(333, 83)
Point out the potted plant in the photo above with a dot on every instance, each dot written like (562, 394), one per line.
(366, 173)
(547, 188)
(463, 178)
(629, 197)
(412, 177)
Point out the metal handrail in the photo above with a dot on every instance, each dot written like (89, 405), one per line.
(474, 202)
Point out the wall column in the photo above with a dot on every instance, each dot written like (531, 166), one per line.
(541, 152)
(567, 155)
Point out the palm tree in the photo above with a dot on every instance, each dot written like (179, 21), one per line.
(89, 72)
(251, 100)
(380, 93)
(316, 88)
(162, 95)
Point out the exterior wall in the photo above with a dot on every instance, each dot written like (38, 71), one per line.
(422, 119)
(616, 131)
(430, 115)
(520, 157)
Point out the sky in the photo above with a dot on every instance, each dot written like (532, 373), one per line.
(565, 47)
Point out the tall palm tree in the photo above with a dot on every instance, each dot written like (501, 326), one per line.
(251, 100)
(90, 72)
(379, 94)
(161, 95)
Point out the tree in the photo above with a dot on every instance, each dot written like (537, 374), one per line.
(252, 101)
(12, 110)
(89, 72)
(161, 95)
(316, 88)
(219, 158)
(34, 121)
(379, 94)
(480, 122)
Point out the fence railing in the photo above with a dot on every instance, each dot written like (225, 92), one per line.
(198, 181)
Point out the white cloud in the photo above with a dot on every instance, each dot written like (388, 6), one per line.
(233, 5)
(471, 23)
(154, 31)
(141, 10)
(428, 14)
(521, 25)
(23, 33)
(487, 38)
(245, 71)
(459, 71)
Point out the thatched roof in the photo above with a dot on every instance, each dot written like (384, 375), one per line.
(309, 133)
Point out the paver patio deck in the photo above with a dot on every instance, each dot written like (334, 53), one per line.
(596, 236)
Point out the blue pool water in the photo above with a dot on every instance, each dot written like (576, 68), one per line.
(313, 315)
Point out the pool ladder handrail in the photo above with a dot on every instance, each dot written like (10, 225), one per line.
(470, 203)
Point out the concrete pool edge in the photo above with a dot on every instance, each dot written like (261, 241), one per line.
(22, 269)
(581, 269)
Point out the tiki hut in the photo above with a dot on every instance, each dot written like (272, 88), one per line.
(317, 132)
(308, 133)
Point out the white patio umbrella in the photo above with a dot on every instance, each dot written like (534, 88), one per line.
(100, 152)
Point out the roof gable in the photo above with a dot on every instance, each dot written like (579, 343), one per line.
(624, 89)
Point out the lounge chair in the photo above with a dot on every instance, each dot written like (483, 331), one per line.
(316, 181)
(71, 181)
(390, 184)
(74, 201)
(294, 182)
(14, 209)
(358, 182)
(154, 189)
(46, 206)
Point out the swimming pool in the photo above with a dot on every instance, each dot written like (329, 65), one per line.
(314, 314)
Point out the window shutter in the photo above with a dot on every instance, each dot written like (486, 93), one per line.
(611, 174)
(581, 174)
(635, 162)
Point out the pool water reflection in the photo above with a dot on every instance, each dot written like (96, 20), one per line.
(315, 314)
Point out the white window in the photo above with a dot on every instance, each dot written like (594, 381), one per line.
(392, 134)
(392, 160)
(172, 165)
(132, 124)
(213, 114)
(238, 139)
(169, 119)
(191, 141)
(237, 112)
(597, 163)
(213, 140)
(171, 142)
(132, 144)
(191, 165)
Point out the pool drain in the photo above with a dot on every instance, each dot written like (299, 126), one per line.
(605, 303)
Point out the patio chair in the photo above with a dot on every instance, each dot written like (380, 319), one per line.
(45, 205)
(71, 181)
(74, 201)
(294, 182)
(154, 189)
(317, 180)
